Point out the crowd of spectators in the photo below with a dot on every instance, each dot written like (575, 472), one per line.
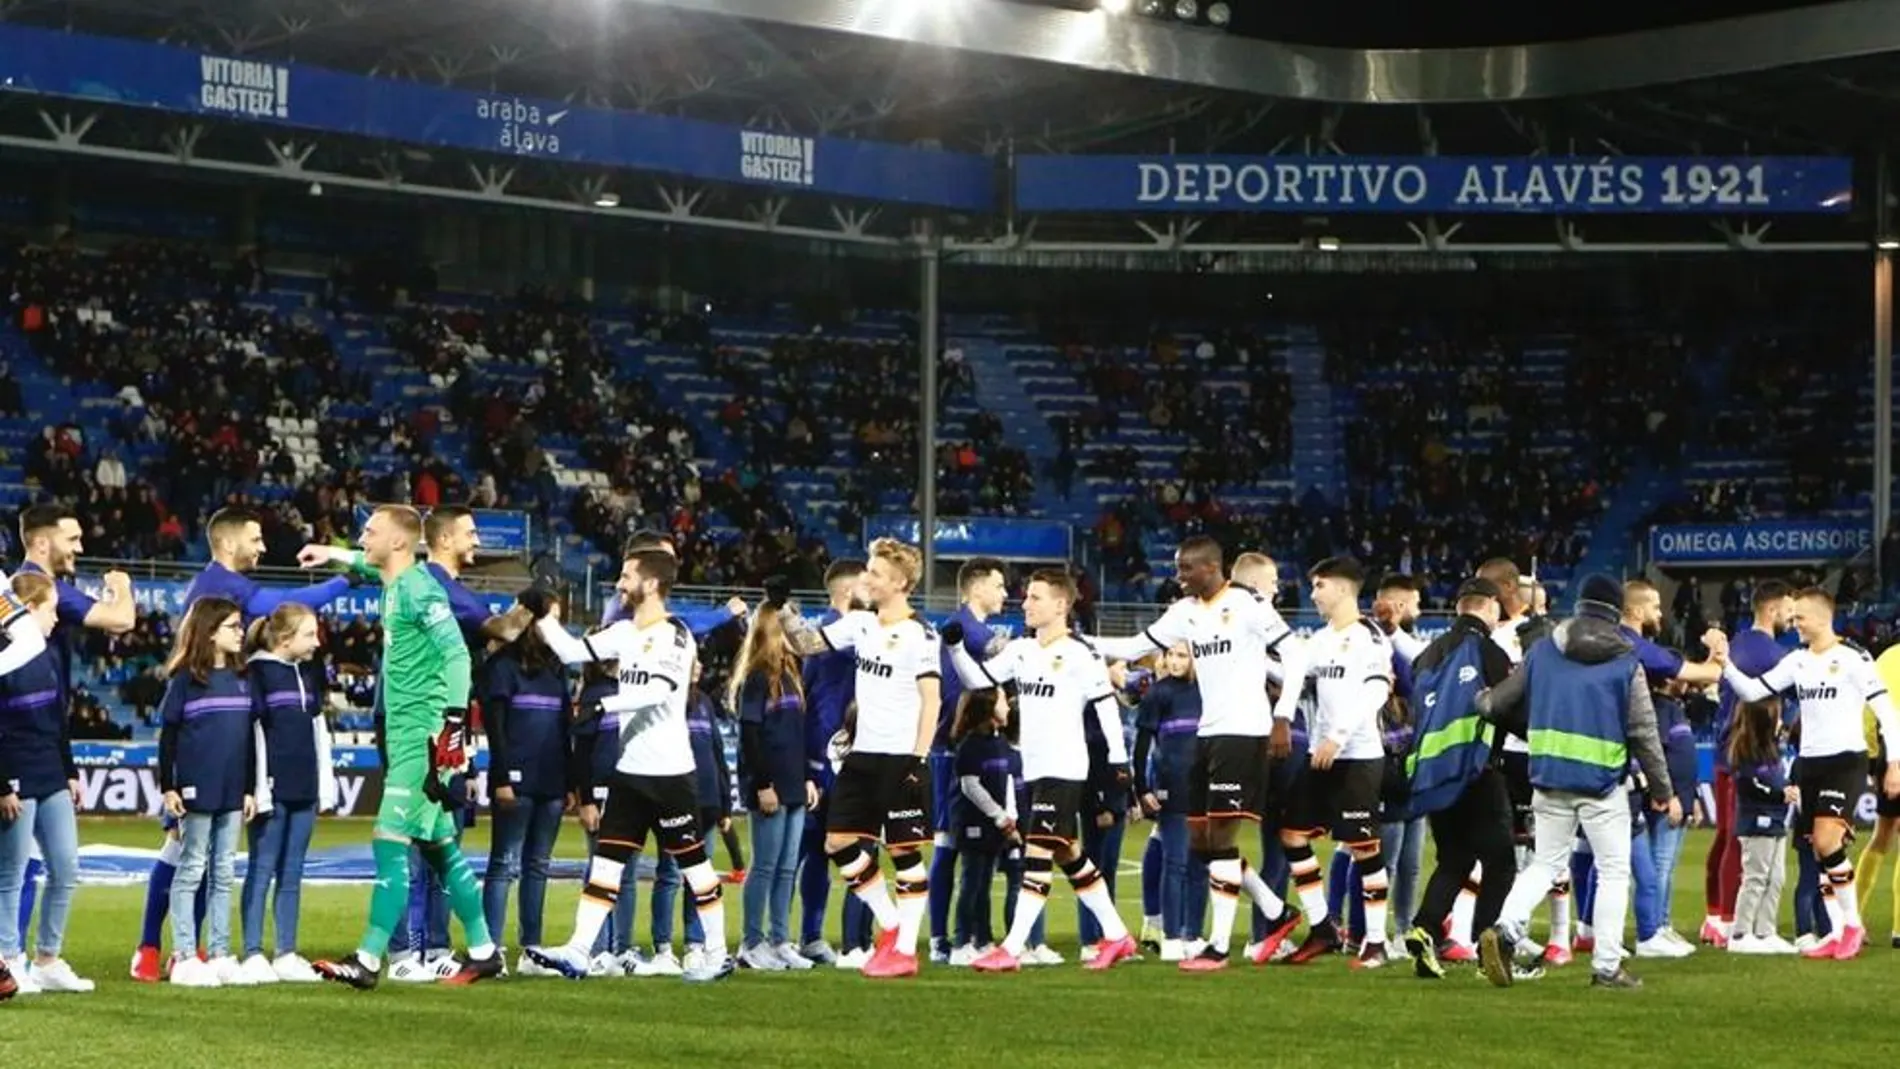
(197, 375)
(1446, 462)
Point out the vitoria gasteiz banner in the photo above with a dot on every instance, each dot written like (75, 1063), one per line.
(267, 91)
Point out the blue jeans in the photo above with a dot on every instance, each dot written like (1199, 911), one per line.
(1810, 916)
(666, 891)
(617, 937)
(1665, 846)
(1183, 880)
(1402, 844)
(768, 884)
(1103, 846)
(279, 840)
(974, 925)
(52, 821)
(523, 843)
(1646, 890)
(210, 857)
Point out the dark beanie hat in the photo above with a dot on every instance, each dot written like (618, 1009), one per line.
(1601, 590)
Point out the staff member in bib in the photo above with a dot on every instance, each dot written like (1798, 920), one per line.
(1589, 712)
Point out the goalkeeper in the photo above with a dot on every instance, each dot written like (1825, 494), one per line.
(424, 682)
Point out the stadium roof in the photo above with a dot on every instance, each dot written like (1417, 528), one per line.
(693, 58)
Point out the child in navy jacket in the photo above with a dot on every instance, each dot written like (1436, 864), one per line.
(295, 780)
(526, 712)
(38, 789)
(207, 768)
(1761, 824)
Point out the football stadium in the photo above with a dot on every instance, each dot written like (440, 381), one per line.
(793, 532)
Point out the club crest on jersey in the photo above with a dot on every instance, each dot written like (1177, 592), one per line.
(891, 640)
(647, 646)
(1833, 667)
(1226, 616)
(1056, 662)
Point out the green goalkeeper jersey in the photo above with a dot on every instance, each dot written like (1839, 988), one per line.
(425, 660)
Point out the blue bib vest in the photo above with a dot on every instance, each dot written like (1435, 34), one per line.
(1451, 744)
(1579, 721)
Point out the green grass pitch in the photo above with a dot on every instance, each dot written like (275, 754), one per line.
(1707, 1010)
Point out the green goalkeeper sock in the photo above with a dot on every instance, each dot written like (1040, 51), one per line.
(389, 901)
(465, 894)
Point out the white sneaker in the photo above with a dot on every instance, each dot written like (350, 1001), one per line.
(410, 971)
(1777, 945)
(1173, 950)
(1191, 948)
(58, 977)
(630, 961)
(230, 973)
(818, 952)
(1088, 954)
(601, 966)
(758, 956)
(443, 964)
(527, 966)
(187, 972)
(23, 976)
(256, 970)
(1042, 955)
(1657, 947)
(662, 963)
(1747, 944)
(854, 960)
(695, 959)
(794, 961)
(963, 956)
(1673, 936)
(293, 969)
(1806, 942)
(1248, 954)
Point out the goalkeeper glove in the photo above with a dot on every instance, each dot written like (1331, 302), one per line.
(448, 755)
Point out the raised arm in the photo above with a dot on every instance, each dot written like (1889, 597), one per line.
(1760, 688)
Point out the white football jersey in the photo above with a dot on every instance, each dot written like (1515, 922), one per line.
(1232, 635)
(1345, 664)
(1833, 686)
(891, 659)
(654, 739)
(1057, 686)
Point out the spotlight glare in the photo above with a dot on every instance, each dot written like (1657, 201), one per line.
(1185, 10)
(1151, 8)
(1115, 7)
(607, 200)
(1219, 14)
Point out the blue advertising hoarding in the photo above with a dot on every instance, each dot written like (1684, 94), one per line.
(1549, 185)
(118, 71)
(1762, 542)
(979, 536)
(168, 596)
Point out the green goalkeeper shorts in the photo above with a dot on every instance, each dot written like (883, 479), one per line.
(407, 811)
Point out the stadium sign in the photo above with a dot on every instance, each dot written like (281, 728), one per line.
(1448, 184)
(116, 71)
(1766, 542)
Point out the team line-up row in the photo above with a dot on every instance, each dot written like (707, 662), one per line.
(1372, 732)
